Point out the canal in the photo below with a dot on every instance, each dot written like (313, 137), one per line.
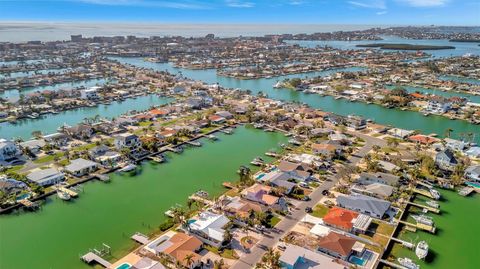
(395, 117)
(110, 213)
(49, 123)
(447, 94)
(455, 244)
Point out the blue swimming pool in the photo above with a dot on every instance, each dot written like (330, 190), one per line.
(190, 221)
(473, 184)
(260, 176)
(358, 261)
(124, 266)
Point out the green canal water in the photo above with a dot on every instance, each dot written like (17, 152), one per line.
(402, 119)
(455, 244)
(53, 237)
(447, 94)
(49, 123)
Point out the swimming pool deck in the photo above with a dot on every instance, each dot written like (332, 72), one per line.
(131, 258)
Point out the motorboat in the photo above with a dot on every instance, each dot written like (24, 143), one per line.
(63, 195)
(257, 161)
(128, 168)
(435, 194)
(408, 263)
(433, 204)
(421, 250)
(423, 219)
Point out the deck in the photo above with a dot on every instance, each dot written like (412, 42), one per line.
(92, 257)
(429, 208)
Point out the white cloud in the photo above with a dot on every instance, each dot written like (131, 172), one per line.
(382, 12)
(239, 4)
(377, 4)
(296, 2)
(180, 4)
(425, 3)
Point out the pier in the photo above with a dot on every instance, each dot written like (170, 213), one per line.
(420, 226)
(466, 191)
(200, 199)
(393, 265)
(429, 208)
(95, 255)
(69, 192)
(140, 238)
(423, 192)
(404, 243)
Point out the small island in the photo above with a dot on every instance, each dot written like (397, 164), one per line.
(387, 46)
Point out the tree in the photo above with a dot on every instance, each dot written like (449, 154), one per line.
(219, 264)
(271, 260)
(188, 259)
(448, 132)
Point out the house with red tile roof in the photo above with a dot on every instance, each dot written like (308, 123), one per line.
(423, 139)
(338, 245)
(340, 218)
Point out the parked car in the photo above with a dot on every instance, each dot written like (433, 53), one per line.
(325, 192)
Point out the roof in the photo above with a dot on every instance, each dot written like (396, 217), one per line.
(364, 204)
(423, 139)
(339, 217)
(41, 175)
(182, 242)
(310, 258)
(379, 176)
(326, 147)
(211, 224)
(79, 164)
(337, 243)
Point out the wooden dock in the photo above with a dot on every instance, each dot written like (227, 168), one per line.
(429, 208)
(423, 192)
(92, 257)
(140, 238)
(200, 199)
(466, 191)
(404, 243)
(393, 265)
(420, 226)
(69, 192)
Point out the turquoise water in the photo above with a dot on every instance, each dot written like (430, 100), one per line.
(15, 94)
(124, 266)
(395, 117)
(460, 79)
(30, 73)
(50, 122)
(410, 89)
(461, 48)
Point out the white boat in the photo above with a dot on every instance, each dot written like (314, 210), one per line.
(408, 263)
(435, 194)
(212, 137)
(421, 250)
(63, 195)
(294, 142)
(423, 219)
(433, 204)
(278, 85)
(128, 168)
(257, 161)
(258, 126)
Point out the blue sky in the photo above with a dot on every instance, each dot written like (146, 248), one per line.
(382, 12)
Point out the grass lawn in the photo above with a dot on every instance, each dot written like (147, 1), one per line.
(208, 129)
(48, 158)
(226, 253)
(84, 147)
(13, 169)
(320, 211)
(145, 123)
(383, 228)
(273, 221)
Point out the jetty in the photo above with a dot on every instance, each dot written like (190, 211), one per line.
(102, 177)
(69, 192)
(465, 191)
(96, 256)
(393, 265)
(420, 226)
(140, 238)
(200, 199)
(28, 204)
(404, 243)
(429, 208)
(423, 192)
(194, 143)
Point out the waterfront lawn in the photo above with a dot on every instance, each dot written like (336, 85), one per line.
(320, 211)
(225, 253)
(379, 232)
(13, 169)
(48, 158)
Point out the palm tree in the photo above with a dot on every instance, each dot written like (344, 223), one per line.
(219, 264)
(188, 259)
(271, 259)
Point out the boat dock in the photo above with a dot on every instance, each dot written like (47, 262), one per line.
(393, 265)
(404, 243)
(200, 199)
(429, 208)
(92, 257)
(194, 143)
(102, 177)
(69, 192)
(228, 185)
(140, 238)
(465, 191)
(420, 226)
(423, 192)
(28, 204)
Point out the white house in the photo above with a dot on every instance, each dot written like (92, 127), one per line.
(80, 167)
(8, 150)
(127, 140)
(46, 177)
(89, 94)
(209, 228)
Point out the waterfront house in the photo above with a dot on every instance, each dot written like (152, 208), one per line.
(10, 186)
(46, 177)
(80, 131)
(473, 152)
(373, 207)
(296, 257)
(104, 156)
(378, 190)
(8, 150)
(209, 228)
(216, 119)
(127, 140)
(472, 173)
(261, 194)
(400, 133)
(339, 246)
(34, 145)
(356, 122)
(238, 207)
(454, 144)
(296, 171)
(57, 139)
(446, 160)
(90, 93)
(379, 177)
(438, 105)
(224, 114)
(177, 246)
(147, 263)
(423, 139)
(80, 167)
(347, 220)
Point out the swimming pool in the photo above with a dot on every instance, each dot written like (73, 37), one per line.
(190, 221)
(473, 184)
(260, 176)
(358, 261)
(124, 266)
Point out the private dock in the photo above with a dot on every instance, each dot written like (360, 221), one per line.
(228, 185)
(404, 243)
(95, 255)
(465, 191)
(429, 208)
(200, 199)
(423, 192)
(103, 178)
(420, 226)
(28, 204)
(393, 265)
(194, 143)
(140, 238)
(69, 192)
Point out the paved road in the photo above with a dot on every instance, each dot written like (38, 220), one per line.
(283, 227)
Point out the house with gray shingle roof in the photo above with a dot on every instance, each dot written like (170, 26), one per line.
(364, 204)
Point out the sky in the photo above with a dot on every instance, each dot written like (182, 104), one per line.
(381, 12)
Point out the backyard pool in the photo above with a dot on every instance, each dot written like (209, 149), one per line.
(124, 266)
